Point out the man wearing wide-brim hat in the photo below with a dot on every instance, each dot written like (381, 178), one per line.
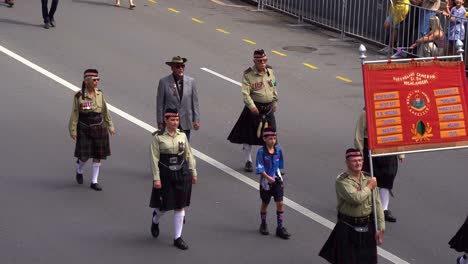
(178, 91)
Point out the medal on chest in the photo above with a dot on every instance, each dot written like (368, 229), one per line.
(181, 147)
(88, 105)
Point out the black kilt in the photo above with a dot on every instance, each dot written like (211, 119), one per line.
(92, 139)
(176, 189)
(385, 168)
(460, 241)
(245, 129)
(347, 246)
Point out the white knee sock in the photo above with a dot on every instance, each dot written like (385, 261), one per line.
(79, 166)
(384, 197)
(247, 152)
(178, 223)
(157, 215)
(96, 166)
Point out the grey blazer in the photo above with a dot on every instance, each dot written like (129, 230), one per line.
(168, 97)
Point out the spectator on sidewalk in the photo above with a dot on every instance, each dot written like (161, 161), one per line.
(433, 43)
(457, 17)
(430, 8)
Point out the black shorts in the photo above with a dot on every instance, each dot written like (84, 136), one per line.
(276, 190)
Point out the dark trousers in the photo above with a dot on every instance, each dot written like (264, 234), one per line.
(46, 14)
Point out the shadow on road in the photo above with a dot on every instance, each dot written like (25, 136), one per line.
(93, 3)
(16, 22)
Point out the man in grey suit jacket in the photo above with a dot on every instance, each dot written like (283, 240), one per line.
(180, 92)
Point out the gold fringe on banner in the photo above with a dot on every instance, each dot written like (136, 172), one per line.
(396, 65)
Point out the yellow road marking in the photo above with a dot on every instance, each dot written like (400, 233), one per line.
(222, 31)
(279, 53)
(249, 41)
(197, 20)
(310, 66)
(343, 79)
(152, 1)
(173, 10)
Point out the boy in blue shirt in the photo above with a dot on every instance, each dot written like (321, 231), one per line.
(269, 162)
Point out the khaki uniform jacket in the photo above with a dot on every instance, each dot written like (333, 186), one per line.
(259, 87)
(96, 104)
(166, 144)
(355, 198)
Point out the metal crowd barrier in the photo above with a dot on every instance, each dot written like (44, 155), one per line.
(364, 19)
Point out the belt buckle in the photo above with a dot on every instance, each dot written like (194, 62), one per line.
(173, 160)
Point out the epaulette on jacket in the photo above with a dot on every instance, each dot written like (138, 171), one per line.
(78, 94)
(158, 132)
(269, 67)
(248, 70)
(343, 175)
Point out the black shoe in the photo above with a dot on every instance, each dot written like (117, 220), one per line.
(264, 229)
(96, 186)
(248, 166)
(52, 23)
(282, 233)
(154, 227)
(47, 25)
(79, 178)
(180, 244)
(389, 217)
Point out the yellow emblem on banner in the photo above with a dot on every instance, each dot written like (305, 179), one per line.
(421, 132)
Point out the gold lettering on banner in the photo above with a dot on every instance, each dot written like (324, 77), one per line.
(415, 78)
(446, 91)
(390, 139)
(452, 133)
(387, 104)
(387, 113)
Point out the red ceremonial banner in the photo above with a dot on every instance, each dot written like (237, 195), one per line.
(415, 105)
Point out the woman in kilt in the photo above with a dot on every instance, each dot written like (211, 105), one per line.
(460, 243)
(90, 125)
(174, 172)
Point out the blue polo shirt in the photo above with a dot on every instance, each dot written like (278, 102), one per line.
(269, 163)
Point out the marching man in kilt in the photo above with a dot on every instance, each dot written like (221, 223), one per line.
(354, 239)
(174, 172)
(260, 99)
(459, 242)
(90, 125)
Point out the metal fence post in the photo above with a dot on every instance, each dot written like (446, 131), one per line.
(260, 5)
(300, 17)
(343, 17)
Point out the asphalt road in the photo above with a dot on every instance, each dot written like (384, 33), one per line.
(47, 218)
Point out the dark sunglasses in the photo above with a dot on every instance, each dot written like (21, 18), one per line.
(96, 80)
(178, 66)
(261, 60)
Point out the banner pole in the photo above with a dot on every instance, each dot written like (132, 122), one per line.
(374, 209)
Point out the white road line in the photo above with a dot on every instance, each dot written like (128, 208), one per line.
(301, 209)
